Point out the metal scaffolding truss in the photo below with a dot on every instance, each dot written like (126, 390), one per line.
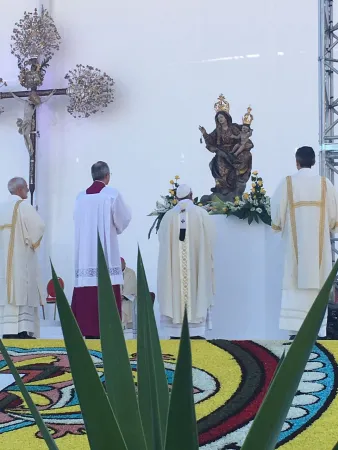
(328, 100)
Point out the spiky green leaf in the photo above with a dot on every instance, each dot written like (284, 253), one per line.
(278, 365)
(182, 429)
(268, 423)
(31, 405)
(100, 422)
(118, 375)
(152, 384)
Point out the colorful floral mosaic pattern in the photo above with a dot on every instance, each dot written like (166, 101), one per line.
(230, 380)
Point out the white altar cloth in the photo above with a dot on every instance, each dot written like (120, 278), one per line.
(248, 277)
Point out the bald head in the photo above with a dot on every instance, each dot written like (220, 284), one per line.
(18, 186)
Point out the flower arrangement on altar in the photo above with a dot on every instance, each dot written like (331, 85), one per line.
(254, 205)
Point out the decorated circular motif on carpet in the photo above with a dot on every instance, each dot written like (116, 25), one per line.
(230, 380)
(227, 426)
(47, 376)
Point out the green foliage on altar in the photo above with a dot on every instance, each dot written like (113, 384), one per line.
(251, 206)
(115, 416)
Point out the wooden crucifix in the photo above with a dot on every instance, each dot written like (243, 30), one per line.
(27, 126)
(35, 39)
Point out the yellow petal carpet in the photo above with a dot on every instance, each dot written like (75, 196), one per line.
(230, 379)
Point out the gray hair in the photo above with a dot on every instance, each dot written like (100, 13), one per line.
(100, 170)
(16, 183)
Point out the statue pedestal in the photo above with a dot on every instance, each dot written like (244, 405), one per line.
(248, 275)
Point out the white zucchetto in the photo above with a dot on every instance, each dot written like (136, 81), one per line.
(183, 191)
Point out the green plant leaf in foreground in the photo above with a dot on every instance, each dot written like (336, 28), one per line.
(280, 362)
(31, 405)
(153, 393)
(120, 385)
(265, 430)
(101, 425)
(182, 429)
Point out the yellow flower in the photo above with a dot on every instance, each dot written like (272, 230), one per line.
(172, 182)
(255, 172)
(263, 191)
(225, 209)
(175, 202)
(171, 192)
(177, 177)
(253, 185)
(237, 199)
(200, 204)
(260, 183)
(245, 196)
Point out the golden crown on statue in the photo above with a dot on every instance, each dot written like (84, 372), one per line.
(248, 117)
(222, 104)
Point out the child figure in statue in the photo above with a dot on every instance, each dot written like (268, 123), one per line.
(244, 137)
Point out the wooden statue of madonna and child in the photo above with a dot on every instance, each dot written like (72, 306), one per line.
(231, 166)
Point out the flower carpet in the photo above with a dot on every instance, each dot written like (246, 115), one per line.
(230, 380)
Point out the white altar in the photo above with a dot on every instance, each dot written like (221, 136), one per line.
(248, 276)
(248, 279)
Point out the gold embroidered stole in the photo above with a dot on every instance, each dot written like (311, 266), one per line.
(10, 255)
(292, 209)
(185, 271)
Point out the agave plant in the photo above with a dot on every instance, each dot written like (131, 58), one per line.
(115, 417)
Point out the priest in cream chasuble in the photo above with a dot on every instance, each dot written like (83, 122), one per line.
(305, 209)
(21, 293)
(185, 267)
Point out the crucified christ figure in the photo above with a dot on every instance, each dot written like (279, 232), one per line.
(25, 125)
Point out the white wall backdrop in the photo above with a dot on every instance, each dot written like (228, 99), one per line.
(170, 60)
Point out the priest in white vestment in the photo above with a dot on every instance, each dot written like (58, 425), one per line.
(129, 294)
(185, 267)
(21, 231)
(305, 209)
(99, 208)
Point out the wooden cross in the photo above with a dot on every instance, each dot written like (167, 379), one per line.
(33, 128)
(89, 90)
